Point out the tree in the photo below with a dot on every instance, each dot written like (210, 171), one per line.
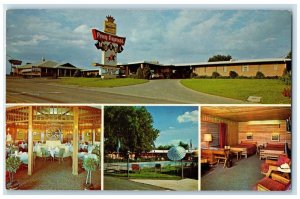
(12, 165)
(146, 72)
(89, 164)
(164, 147)
(220, 58)
(132, 126)
(139, 73)
(183, 145)
(289, 55)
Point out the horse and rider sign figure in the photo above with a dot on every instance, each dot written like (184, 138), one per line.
(109, 42)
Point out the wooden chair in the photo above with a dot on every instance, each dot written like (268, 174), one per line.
(272, 165)
(222, 156)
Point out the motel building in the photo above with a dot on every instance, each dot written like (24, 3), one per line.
(273, 67)
(269, 67)
(52, 143)
(45, 68)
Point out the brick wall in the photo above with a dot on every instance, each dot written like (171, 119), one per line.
(242, 69)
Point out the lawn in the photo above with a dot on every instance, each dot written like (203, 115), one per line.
(269, 89)
(98, 82)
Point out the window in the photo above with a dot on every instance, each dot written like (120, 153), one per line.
(276, 67)
(245, 68)
(259, 68)
(225, 69)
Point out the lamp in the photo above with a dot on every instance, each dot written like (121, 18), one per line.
(207, 138)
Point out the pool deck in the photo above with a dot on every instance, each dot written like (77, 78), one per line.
(176, 185)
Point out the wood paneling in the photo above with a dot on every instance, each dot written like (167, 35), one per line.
(262, 132)
(232, 127)
(250, 113)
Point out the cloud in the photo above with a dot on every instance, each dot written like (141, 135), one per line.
(171, 127)
(188, 117)
(83, 29)
(169, 36)
(34, 40)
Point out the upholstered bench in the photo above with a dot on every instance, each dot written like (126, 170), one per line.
(276, 183)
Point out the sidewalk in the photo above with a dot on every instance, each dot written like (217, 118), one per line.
(177, 185)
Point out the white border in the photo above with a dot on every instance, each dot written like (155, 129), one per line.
(213, 4)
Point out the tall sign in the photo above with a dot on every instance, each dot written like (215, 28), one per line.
(109, 42)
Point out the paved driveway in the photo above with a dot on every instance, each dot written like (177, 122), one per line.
(170, 89)
(167, 91)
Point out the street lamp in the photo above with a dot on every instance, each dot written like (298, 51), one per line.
(128, 153)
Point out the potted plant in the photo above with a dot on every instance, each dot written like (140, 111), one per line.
(12, 165)
(89, 164)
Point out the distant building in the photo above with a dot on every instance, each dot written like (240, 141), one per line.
(46, 69)
(248, 68)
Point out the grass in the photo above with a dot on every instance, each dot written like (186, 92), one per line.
(269, 89)
(149, 173)
(97, 82)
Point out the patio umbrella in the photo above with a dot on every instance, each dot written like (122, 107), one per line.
(177, 153)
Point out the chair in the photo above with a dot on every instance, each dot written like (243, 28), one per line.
(275, 183)
(60, 155)
(272, 165)
(157, 167)
(45, 154)
(136, 167)
(223, 155)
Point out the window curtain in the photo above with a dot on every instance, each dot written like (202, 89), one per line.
(222, 139)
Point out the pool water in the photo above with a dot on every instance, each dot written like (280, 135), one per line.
(152, 164)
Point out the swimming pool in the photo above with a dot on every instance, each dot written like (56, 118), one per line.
(151, 164)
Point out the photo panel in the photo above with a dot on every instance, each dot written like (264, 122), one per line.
(246, 148)
(55, 147)
(151, 148)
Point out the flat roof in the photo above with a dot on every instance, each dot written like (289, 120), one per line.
(212, 63)
(235, 62)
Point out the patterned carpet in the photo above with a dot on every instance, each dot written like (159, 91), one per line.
(50, 175)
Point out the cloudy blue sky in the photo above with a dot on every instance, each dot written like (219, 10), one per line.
(169, 36)
(175, 123)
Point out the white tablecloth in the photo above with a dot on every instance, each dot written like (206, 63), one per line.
(84, 155)
(23, 156)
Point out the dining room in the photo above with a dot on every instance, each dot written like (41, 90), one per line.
(47, 137)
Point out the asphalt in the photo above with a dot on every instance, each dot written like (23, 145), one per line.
(167, 91)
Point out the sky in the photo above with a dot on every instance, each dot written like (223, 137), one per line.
(175, 123)
(170, 36)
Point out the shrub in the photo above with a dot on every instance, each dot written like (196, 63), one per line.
(233, 74)
(259, 75)
(287, 79)
(193, 75)
(287, 92)
(215, 75)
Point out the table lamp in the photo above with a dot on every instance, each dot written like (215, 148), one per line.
(207, 138)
